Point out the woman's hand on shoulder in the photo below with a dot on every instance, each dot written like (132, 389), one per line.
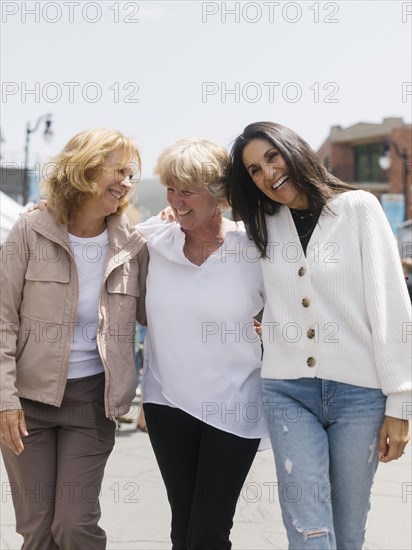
(12, 427)
(258, 328)
(41, 205)
(167, 214)
(393, 438)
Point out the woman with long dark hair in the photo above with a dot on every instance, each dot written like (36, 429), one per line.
(336, 363)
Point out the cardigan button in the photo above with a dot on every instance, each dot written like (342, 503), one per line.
(305, 302)
(311, 333)
(302, 271)
(311, 361)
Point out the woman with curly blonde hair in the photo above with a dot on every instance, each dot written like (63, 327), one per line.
(73, 283)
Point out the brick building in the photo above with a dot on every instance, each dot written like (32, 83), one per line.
(352, 154)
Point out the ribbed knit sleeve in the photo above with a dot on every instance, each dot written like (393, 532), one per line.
(387, 303)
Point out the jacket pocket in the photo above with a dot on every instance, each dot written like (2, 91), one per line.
(45, 291)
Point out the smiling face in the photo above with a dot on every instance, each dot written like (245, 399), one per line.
(269, 173)
(193, 208)
(114, 182)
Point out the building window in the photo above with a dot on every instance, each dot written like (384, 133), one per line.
(367, 167)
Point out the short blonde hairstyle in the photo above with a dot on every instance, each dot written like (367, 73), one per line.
(195, 163)
(71, 178)
(407, 264)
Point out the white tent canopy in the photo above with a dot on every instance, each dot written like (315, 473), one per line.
(9, 213)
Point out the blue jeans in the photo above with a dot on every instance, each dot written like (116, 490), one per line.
(325, 440)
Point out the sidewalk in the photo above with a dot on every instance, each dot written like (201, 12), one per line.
(135, 511)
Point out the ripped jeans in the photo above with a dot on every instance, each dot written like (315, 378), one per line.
(325, 440)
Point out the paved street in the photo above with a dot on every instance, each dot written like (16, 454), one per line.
(136, 516)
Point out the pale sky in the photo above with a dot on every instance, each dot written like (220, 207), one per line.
(308, 65)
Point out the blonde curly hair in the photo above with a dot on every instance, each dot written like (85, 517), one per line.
(73, 172)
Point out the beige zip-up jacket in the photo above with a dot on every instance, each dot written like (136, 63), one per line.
(38, 311)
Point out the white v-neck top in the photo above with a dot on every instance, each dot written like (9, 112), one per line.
(202, 354)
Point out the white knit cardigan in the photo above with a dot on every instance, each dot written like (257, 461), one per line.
(343, 312)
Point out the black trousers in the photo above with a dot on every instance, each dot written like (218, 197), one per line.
(203, 469)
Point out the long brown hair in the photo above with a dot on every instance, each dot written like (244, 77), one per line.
(305, 168)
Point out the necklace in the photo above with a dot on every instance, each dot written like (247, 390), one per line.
(296, 213)
(306, 234)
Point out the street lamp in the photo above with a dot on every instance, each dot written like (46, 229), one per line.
(385, 162)
(47, 133)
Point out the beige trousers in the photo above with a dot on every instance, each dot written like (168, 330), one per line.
(55, 482)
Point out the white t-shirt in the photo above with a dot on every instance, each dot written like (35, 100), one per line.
(89, 256)
(202, 353)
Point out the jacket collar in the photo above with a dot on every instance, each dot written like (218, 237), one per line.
(120, 229)
(46, 224)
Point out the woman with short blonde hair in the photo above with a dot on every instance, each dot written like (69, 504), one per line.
(195, 163)
(202, 394)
